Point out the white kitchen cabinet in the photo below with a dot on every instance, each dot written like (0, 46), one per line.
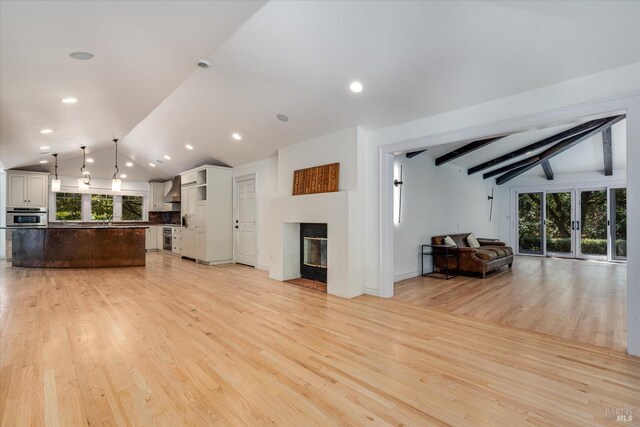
(27, 189)
(208, 204)
(151, 238)
(188, 196)
(176, 246)
(156, 190)
(201, 215)
(201, 252)
(159, 238)
(189, 240)
(189, 234)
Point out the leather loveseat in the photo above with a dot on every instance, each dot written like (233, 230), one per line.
(491, 255)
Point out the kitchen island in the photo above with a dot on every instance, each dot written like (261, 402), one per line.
(79, 246)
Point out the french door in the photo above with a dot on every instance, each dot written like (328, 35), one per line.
(574, 223)
(560, 224)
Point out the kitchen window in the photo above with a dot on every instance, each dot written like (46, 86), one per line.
(101, 207)
(68, 207)
(87, 207)
(132, 208)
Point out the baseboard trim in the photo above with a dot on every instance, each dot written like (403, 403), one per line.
(229, 261)
(405, 276)
(371, 291)
(262, 267)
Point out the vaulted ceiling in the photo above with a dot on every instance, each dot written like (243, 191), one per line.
(294, 58)
(586, 156)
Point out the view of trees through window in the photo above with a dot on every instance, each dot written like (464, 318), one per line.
(559, 222)
(620, 221)
(101, 207)
(593, 222)
(530, 222)
(131, 208)
(68, 207)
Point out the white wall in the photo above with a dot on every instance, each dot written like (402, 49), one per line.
(335, 147)
(633, 230)
(266, 172)
(343, 211)
(437, 200)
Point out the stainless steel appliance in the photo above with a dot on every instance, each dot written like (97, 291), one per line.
(22, 217)
(167, 238)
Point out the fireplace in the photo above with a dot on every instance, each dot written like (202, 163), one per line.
(313, 251)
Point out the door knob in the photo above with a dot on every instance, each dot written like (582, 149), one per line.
(236, 226)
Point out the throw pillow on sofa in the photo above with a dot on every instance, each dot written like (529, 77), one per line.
(472, 241)
(449, 241)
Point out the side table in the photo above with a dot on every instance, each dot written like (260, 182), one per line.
(437, 252)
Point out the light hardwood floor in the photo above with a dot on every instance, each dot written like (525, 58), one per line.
(580, 300)
(182, 344)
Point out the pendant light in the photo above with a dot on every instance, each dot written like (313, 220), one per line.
(116, 183)
(55, 182)
(85, 181)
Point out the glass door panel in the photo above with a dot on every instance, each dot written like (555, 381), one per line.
(559, 223)
(530, 228)
(618, 200)
(593, 223)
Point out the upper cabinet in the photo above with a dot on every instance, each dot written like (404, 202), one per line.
(157, 196)
(158, 190)
(27, 189)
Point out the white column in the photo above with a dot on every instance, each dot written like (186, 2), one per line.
(633, 230)
(386, 223)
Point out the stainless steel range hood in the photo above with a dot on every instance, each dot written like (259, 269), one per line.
(173, 196)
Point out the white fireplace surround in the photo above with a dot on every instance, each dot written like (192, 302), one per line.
(344, 274)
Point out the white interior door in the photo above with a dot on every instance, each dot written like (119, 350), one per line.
(245, 222)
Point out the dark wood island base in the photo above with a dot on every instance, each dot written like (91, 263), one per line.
(79, 247)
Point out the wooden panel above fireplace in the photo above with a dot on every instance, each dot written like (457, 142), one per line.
(318, 179)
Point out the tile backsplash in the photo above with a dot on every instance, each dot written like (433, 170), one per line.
(164, 217)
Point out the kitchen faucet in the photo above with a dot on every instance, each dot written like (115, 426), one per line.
(109, 220)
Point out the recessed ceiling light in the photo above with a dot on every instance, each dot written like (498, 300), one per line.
(129, 164)
(167, 157)
(236, 136)
(188, 146)
(69, 100)
(356, 87)
(89, 160)
(204, 63)
(282, 118)
(123, 175)
(46, 131)
(153, 165)
(45, 147)
(44, 161)
(81, 55)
